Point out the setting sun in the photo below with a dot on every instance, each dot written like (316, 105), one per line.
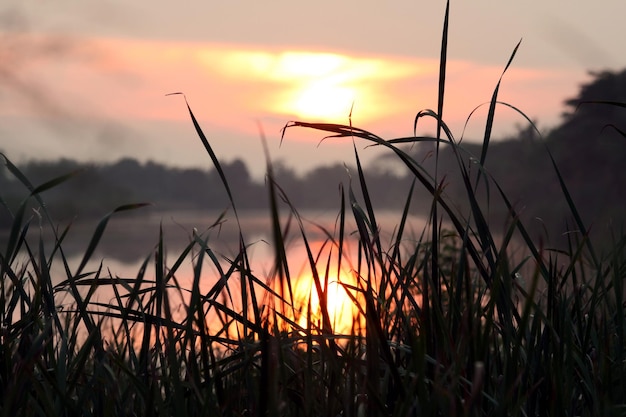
(312, 85)
(323, 100)
(322, 85)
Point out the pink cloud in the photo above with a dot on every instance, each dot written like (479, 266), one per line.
(232, 86)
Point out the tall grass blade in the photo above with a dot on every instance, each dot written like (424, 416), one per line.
(492, 108)
(98, 233)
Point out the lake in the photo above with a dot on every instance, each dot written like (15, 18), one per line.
(130, 239)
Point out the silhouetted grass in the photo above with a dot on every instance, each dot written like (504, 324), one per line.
(447, 321)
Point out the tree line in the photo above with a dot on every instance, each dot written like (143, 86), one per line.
(96, 189)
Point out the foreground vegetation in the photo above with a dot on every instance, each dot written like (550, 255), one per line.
(468, 320)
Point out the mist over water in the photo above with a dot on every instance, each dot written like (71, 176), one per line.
(129, 240)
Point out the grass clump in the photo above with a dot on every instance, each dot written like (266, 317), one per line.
(453, 320)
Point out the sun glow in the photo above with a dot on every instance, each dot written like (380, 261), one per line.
(323, 100)
(322, 86)
(316, 86)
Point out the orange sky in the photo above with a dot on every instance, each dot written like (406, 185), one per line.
(100, 93)
(231, 86)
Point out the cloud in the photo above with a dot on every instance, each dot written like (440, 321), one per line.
(110, 95)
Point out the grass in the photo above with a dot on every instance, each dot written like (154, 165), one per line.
(447, 323)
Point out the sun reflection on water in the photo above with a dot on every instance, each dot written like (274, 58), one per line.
(343, 303)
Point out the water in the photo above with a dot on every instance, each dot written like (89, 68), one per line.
(131, 239)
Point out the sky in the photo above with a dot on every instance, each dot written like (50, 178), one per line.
(91, 80)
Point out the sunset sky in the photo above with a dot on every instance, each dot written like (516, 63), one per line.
(89, 80)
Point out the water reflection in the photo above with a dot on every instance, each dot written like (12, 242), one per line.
(130, 242)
